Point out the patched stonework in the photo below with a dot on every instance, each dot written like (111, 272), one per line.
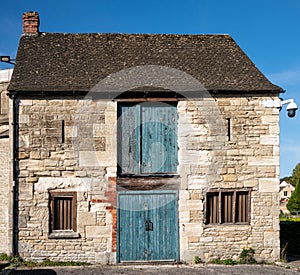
(250, 160)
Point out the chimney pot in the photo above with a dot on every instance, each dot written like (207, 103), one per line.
(31, 22)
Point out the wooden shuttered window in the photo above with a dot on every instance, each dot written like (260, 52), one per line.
(147, 138)
(242, 206)
(63, 211)
(213, 207)
(228, 207)
(63, 214)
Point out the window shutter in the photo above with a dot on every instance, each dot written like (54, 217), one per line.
(159, 138)
(63, 214)
(63, 211)
(227, 207)
(242, 207)
(213, 208)
(129, 139)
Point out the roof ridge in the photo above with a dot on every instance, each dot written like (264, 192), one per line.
(50, 60)
(138, 34)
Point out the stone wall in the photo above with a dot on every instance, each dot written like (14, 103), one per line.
(5, 196)
(5, 161)
(67, 145)
(71, 145)
(249, 159)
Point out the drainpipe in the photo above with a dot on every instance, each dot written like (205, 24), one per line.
(15, 203)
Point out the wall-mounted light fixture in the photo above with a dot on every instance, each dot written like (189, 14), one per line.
(7, 59)
(278, 103)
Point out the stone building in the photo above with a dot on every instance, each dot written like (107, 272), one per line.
(137, 147)
(5, 162)
(285, 192)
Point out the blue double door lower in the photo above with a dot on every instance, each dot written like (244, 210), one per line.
(148, 226)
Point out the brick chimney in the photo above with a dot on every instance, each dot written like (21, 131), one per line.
(31, 22)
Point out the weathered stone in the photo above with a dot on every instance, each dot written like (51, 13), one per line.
(98, 231)
(26, 192)
(230, 178)
(71, 131)
(264, 161)
(101, 218)
(23, 155)
(86, 218)
(205, 161)
(269, 140)
(71, 184)
(195, 216)
(268, 185)
(31, 180)
(88, 159)
(231, 170)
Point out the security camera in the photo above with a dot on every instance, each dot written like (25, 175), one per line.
(291, 108)
(278, 103)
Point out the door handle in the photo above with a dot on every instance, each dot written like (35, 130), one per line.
(148, 225)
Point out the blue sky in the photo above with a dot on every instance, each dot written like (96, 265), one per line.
(268, 31)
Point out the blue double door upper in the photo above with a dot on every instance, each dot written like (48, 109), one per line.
(147, 138)
(148, 226)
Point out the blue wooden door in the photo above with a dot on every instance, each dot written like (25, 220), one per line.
(147, 226)
(159, 138)
(147, 138)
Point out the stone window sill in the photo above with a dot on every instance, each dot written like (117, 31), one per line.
(64, 234)
(239, 224)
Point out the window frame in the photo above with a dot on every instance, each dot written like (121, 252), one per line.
(234, 213)
(62, 233)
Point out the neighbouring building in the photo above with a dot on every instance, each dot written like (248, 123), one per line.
(142, 147)
(5, 165)
(285, 192)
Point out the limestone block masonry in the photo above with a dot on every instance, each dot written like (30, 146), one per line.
(70, 144)
(5, 166)
(5, 196)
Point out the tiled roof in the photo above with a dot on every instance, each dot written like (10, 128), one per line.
(76, 62)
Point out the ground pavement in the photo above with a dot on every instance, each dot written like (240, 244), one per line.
(292, 267)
